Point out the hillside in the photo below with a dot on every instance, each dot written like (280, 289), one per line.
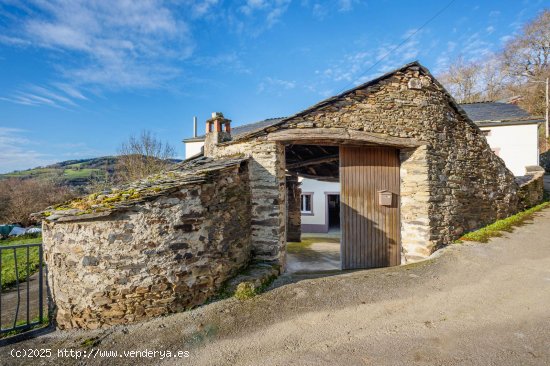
(75, 173)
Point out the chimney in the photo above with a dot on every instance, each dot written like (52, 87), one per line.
(218, 130)
(194, 126)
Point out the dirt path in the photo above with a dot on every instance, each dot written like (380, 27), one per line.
(477, 304)
(9, 301)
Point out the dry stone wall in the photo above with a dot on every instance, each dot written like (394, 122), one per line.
(268, 194)
(531, 191)
(164, 255)
(294, 215)
(464, 185)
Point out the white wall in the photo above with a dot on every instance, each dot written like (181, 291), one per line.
(516, 145)
(193, 148)
(319, 199)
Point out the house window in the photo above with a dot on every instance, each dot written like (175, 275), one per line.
(306, 205)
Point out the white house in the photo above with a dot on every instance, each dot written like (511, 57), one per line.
(510, 131)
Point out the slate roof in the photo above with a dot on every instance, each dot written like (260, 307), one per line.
(261, 127)
(191, 171)
(475, 113)
(244, 129)
(494, 111)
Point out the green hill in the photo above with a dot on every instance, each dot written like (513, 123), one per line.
(74, 173)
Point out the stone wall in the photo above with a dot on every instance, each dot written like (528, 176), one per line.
(415, 204)
(268, 194)
(463, 184)
(531, 187)
(545, 161)
(294, 215)
(163, 255)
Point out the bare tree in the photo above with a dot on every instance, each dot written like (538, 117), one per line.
(21, 197)
(527, 55)
(462, 79)
(493, 80)
(142, 156)
(100, 182)
(527, 59)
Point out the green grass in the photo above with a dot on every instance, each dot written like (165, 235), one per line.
(45, 321)
(505, 225)
(296, 247)
(80, 173)
(8, 262)
(32, 173)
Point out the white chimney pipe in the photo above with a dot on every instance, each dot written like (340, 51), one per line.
(194, 126)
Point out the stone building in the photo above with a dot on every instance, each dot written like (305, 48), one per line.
(415, 174)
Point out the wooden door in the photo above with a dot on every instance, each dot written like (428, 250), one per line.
(371, 235)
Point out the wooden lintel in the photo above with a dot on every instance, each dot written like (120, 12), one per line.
(339, 136)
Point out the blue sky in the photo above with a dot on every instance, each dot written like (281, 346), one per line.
(77, 78)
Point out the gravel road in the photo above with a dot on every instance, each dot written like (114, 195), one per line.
(473, 304)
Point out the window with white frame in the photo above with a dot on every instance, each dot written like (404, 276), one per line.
(306, 205)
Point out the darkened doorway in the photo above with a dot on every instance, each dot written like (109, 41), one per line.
(333, 203)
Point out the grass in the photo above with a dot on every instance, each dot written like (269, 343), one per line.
(80, 173)
(45, 321)
(296, 247)
(8, 262)
(32, 173)
(505, 225)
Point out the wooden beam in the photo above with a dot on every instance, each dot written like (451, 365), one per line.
(339, 136)
(320, 160)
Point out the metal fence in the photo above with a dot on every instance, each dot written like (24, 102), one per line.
(21, 286)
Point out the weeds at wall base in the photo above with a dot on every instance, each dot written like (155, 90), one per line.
(497, 228)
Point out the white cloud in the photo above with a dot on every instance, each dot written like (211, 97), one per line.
(226, 61)
(201, 8)
(505, 38)
(346, 5)
(319, 11)
(70, 90)
(116, 44)
(16, 151)
(13, 41)
(270, 11)
(253, 5)
(451, 46)
(475, 47)
(57, 95)
(275, 85)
